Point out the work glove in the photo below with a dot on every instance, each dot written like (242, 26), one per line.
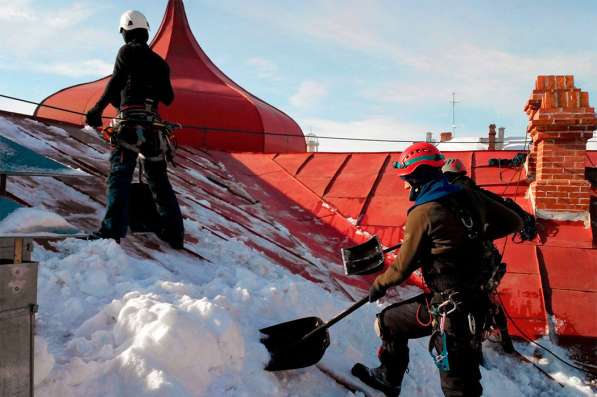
(376, 292)
(93, 117)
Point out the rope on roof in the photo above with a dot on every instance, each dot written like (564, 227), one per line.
(239, 131)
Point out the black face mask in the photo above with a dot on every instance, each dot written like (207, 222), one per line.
(138, 35)
(414, 193)
(420, 177)
(414, 189)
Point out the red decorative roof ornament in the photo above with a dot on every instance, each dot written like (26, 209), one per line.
(231, 118)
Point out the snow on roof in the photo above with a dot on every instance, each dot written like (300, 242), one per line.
(516, 143)
(592, 143)
(462, 143)
(34, 221)
(480, 143)
(153, 321)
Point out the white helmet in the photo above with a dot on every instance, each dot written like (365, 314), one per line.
(132, 19)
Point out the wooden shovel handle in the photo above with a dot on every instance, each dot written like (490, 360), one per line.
(392, 248)
(348, 311)
(339, 317)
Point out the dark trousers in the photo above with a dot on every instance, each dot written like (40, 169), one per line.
(115, 223)
(411, 319)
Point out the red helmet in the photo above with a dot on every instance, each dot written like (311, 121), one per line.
(454, 165)
(421, 153)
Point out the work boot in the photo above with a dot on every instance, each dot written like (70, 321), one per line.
(99, 235)
(175, 240)
(376, 378)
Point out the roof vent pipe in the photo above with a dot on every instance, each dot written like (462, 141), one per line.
(499, 145)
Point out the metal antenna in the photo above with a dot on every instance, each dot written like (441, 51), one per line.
(454, 102)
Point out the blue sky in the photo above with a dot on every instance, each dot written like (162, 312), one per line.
(381, 69)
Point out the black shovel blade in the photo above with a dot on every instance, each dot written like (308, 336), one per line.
(288, 349)
(143, 215)
(362, 259)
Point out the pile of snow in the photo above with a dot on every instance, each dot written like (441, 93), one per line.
(32, 221)
(592, 143)
(111, 324)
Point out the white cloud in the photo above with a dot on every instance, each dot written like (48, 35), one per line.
(70, 16)
(483, 76)
(38, 29)
(435, 58)
(11, 10)
(309, 94)
(40, 37)
(382, 128)
(265, 68)
(92, 67)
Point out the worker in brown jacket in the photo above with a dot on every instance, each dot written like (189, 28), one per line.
(448, 234)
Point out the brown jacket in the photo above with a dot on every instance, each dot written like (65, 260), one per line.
(435, 239)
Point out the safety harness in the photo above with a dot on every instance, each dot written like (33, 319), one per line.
(153, 138)
(439, 313)
(447, 302)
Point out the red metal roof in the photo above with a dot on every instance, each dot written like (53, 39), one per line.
(359, 193)
(234, 119)
(324, 201)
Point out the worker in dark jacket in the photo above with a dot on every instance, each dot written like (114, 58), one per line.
(444, 235)
(140, 81)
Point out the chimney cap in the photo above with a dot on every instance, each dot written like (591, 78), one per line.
(445, 136)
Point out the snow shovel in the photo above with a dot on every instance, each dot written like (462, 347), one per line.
(300, 343)
(366, 258)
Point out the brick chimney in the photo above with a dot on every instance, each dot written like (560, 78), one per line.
(445, 136)
(499, 145)
(491, 140)
(560, 123)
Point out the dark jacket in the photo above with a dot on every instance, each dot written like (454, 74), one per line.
(139, 73)
(469, 183)
(435, 239)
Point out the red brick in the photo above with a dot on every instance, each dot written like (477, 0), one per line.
(562, 200)
(578, 195)
(568, 188)
(584, 99)
(540, 194)
(546, 201)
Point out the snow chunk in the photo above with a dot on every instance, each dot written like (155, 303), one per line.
(35, 221)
